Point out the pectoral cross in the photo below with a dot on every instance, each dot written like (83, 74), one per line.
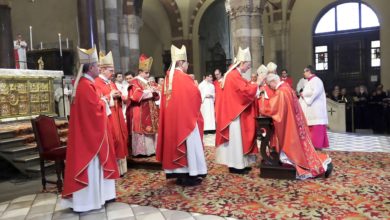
(331, 111)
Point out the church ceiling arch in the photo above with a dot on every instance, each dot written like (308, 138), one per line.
(274, 10)
(174, 17)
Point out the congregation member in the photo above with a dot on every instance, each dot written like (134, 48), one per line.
(313, 103)
(295, 145)
(117, 125)
(180, 133)
(91, 168)
(207, 91)
(236, 138)
(144, 111)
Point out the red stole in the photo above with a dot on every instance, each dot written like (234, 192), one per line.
(292, 131)
(87, 138)
(144, 111)
(237, 100)
(117, 125)
(179, 114)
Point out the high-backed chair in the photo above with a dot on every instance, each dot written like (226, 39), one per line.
(49, 146)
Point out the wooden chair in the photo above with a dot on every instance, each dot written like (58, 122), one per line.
(49, 146)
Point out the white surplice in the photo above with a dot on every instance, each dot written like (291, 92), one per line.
(207, 91)
(195, 156)
(21, 49)
(95, 195)
(231, 153)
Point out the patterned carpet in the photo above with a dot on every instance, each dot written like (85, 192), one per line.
(356, 190)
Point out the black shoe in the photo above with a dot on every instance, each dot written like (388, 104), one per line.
(329, 170)
(189, 181)
(111, 200)
(238, 171)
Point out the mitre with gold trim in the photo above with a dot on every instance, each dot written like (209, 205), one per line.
(145, 63)
(243, 55)
(87, 56)
(106, 60)
(176, 55)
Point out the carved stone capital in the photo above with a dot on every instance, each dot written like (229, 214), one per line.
(237, 8)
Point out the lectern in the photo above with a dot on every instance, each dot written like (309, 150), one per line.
(270, 166)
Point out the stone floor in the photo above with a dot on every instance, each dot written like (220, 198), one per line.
(21, 205)
(45, 206)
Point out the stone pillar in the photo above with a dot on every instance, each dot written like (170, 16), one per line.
(112, 31)
(87, 23)
(245, 18)
(279, 29)
(100, 24)
(134, 23)
(123, 38)
(7, 59)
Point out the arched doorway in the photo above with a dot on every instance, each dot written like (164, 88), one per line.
(214, 38)
(346, 45)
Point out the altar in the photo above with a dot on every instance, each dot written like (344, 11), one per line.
(27, 93)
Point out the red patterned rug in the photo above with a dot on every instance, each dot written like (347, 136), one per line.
(358, 189)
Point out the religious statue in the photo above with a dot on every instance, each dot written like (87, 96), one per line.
(41, 64)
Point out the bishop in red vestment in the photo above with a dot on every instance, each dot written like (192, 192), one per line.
(236, 142)
(180, 132)
(117, 125)
(90, 160)
(295, 146)
(144, 111)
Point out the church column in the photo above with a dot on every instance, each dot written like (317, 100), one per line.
(7, 59)
(112, 31)
(87, 23)
(100, 24)
(124, 48)
(245, 18)
(131, 13)
(279, 29)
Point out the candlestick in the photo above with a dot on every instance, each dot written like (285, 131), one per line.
(67, 43)
(31, 42)
(59, 40)
(41, 45)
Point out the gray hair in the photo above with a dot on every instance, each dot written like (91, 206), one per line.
(272, 77)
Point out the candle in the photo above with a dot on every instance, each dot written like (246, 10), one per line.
(31, 43)
(67, 43)
(41, 45)
(59, 40)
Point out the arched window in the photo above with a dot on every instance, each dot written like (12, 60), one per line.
(347, 16)
(346, 44)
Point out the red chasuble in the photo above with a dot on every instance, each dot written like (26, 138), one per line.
(144, 111)
(179, 114)
(237, 99)
(292, 131)
(87, 138)
(117, 124)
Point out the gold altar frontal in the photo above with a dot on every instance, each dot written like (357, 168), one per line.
(24, 96)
